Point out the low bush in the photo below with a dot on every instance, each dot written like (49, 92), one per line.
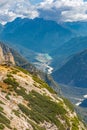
(43, 109)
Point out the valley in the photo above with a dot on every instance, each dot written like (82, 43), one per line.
(75, 94)
(52, 52)
(43, 65)
(43, 62)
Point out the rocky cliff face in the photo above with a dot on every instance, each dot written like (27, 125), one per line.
(28, 103)
(6, 56)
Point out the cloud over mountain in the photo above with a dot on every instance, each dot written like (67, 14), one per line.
(10, 9)
(58, 10)
(64, 10)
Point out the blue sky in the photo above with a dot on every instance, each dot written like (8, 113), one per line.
(35, 1)
(57, 10)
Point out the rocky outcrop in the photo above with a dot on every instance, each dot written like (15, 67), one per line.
(6, 56)
(1, 55)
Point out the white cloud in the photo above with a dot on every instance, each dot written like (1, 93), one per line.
(65, 10)
(58, 10)
(10, 9)
(75, 14)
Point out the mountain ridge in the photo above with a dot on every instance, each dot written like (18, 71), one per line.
(15, 59)
(63, 53)
(74, 71)
(26, 102)
(39, 32)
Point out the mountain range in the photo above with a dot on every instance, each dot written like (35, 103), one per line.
(27, 102)
(11, 57)
(39, 40)
(78, 27)
(44, 36)
(38, 34)
(60, 41)
(74, 72)
(43, 65)
(63, 53)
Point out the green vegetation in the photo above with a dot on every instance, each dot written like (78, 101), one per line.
(10, 88)
(17, 113)
(14, 72)
(69, 104)
(1, 109)
(39, 107)
(43, 84)
(35, 126)
(43, 109)
(14, 129)
(75, 123)
(4, 120)
(1, 102)
(11, 81)
(21, 92)
(9, 75)
(4, 91)
(2, 127)
(23, 70)
(7, 97)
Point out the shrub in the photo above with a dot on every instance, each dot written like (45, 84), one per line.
(43, 84)
(42, 108)
(2, 127)
(23, 70)
(1, 109)
(17, 113)
(11, 81)
(69, 104)
(4, 120)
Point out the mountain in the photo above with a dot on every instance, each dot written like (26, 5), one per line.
(79, 27)
(26, 102)
(1, 27)
(6, 55)
(38, 34)
(84, 103)
(63, 53)
(12, 57)
(74, 72)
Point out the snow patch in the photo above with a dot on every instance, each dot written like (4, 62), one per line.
(85, 96)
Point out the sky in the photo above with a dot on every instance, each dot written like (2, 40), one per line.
(36, 1)
(57, 10)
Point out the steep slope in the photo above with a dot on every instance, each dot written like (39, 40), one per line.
(79, 27)
(38, 34)
(74, 72)
(68, 49)
(1, 28)
(11, 57)
(84, 103)
(26, 102)
(21, 61)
